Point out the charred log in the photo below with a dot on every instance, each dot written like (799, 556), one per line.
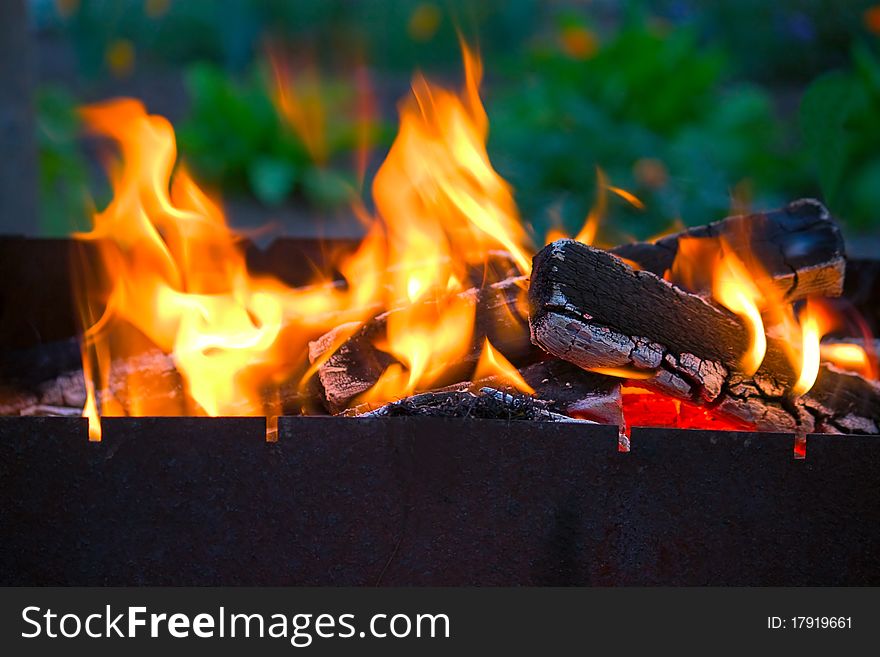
(799, 247)
(591, 309)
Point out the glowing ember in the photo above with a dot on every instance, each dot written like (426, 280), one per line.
(643, 408)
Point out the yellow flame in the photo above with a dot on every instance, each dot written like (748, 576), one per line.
(810, 336)
(493, 365)
(734, 288)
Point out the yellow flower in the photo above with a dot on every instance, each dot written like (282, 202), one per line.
(578, 42)
(424, 21)
(120, 57)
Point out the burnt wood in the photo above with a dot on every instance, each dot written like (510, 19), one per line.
(799, 247)
(590, 308)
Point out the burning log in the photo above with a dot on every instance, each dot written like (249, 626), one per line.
(357, 364)
(799, 247)
(590, 308)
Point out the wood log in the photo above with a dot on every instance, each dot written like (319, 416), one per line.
(799, 247)
(592, 309)
(356, 365)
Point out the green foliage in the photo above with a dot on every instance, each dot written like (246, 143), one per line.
(842, 137)
(234, 137)
(647, 95)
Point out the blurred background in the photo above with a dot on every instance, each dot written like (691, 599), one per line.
(696, 108)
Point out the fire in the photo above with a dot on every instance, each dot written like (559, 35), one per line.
(306, 103)
(493, 365)
(743, 288)
(644, 408)
(172, 278)
(629, 373)
(173, 275)
(444, 209)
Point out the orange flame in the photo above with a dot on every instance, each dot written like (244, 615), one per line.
(493, 365)
(444, 209)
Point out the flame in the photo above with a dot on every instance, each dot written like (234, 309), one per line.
(734, 288)
(817, 318)
(629, 197)
(444, 209)
(305, 102)
(810, 336)
(173, 276)
(493, 365)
